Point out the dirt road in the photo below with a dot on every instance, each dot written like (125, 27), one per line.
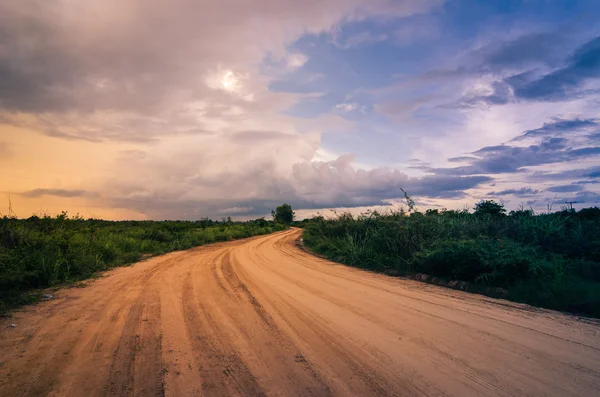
(261, 317)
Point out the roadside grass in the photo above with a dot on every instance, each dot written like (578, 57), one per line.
(44, 252)
(547, 260)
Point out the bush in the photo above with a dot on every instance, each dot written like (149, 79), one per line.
(489, 208)
(550, 260)
(43, 252)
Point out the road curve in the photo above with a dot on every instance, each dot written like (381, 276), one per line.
(260, 317)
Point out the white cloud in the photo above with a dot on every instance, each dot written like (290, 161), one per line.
(347, 106)
(233, 83)
(296, 60)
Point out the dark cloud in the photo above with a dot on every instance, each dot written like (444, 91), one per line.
(536, 49)
(167, 208)
(510, 159)
(58, 193)
(339, 184)
(588, 182)
(441, 186)
(491, 149)
(255, 185)
(587, 197)
(592, 173)
(558, 127)
(522, 192)
(579, 197)
(565, 188)
(563, 83)
(561, 142)
(584, 198)
(538, 67)
(595, 137)
(71, 65)
(544, 47)
(461, 159)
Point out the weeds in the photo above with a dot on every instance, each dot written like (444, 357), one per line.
(550, 260)
(43, 252)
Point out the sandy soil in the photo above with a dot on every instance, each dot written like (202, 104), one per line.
(262, 317)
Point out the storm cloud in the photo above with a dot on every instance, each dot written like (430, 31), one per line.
(511, 159)
(561, 83)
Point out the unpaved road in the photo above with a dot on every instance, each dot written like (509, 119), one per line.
(261, 317)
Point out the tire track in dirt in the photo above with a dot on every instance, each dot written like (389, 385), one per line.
(221, 368)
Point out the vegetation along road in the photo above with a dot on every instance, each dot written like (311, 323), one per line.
(262, 317)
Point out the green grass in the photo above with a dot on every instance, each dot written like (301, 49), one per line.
(44, 252)
(547, 260)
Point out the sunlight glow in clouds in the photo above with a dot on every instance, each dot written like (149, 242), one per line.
(230, 82)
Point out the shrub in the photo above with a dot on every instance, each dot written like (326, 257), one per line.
(541, 259)
(42, 252)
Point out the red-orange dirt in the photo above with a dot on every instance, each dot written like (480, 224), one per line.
(262, 317)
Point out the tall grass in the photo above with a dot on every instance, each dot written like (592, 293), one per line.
(43, 252)
(549, 260)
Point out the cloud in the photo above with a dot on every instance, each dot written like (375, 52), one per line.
(256, 189)
(498, 93)
(510, 159)
(587, 197)
(591, 172)
(58, 193)
(539, 66)
(461, 159)
(498, 56)
(522, 192)
(559, 127)
(337, 183)
(296, 60)
(563, 83)
(565, 188)
(131, 55)
(180, 101)
(347, 106)
(533, 48)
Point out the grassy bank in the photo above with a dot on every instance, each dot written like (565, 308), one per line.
(43, 252)
(547, 260)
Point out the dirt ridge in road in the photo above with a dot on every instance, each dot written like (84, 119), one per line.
(261, 317)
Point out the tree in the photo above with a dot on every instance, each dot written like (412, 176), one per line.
(283, 214)
(489, 207)
(261, 222)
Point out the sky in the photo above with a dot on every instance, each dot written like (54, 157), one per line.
(181, 109)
